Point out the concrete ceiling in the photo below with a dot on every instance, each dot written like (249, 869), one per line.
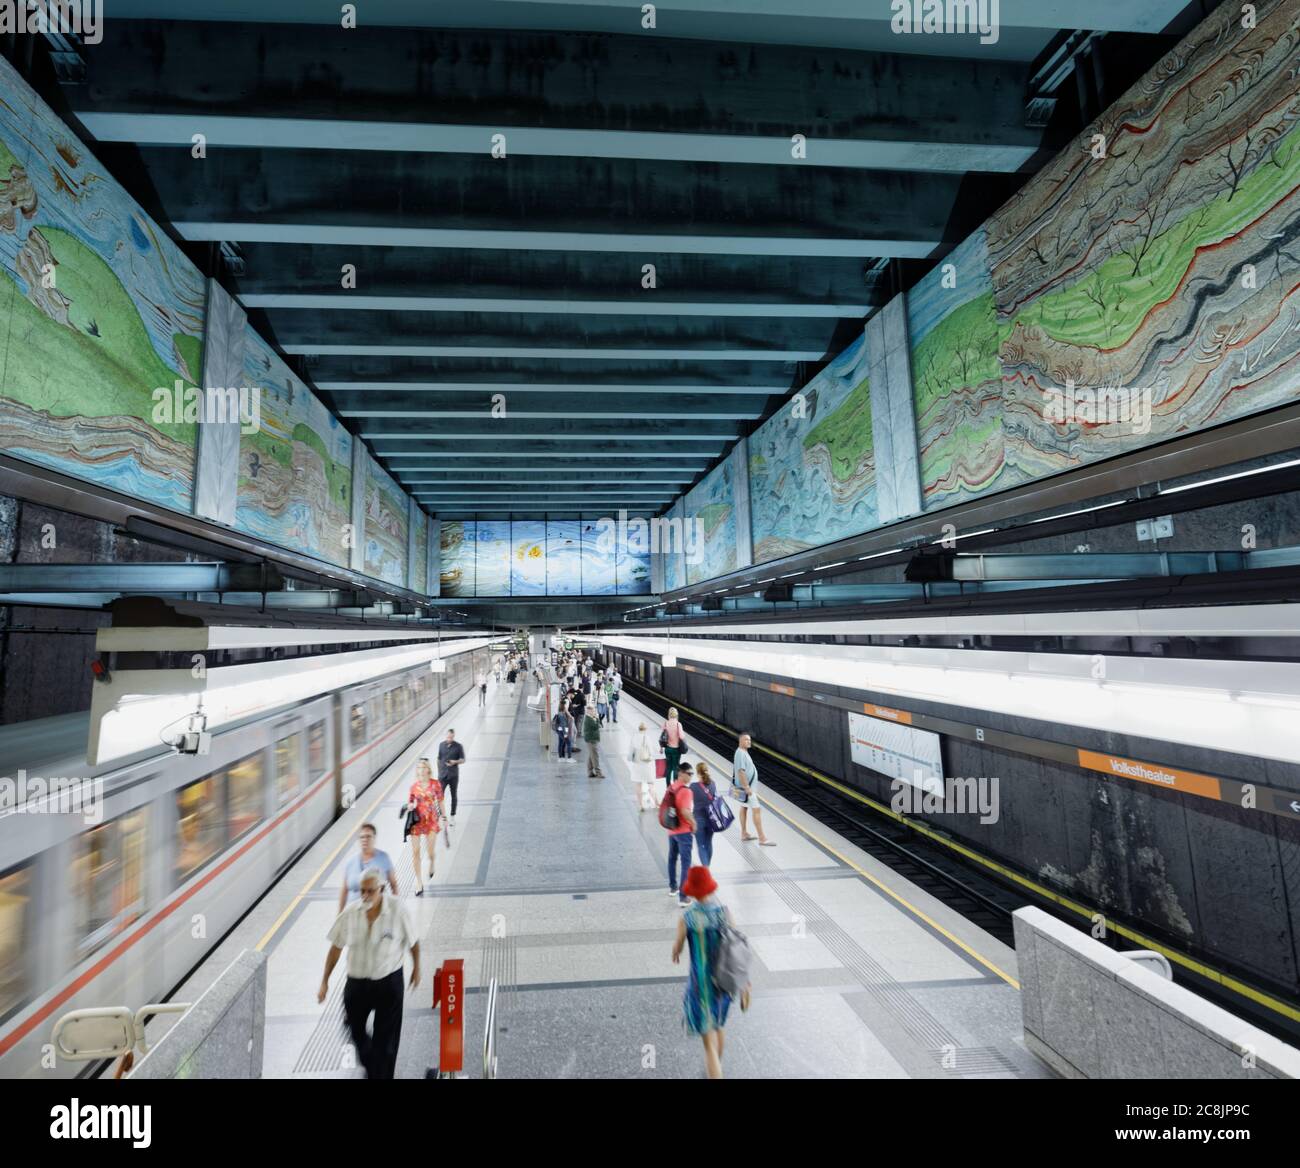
(523, 276)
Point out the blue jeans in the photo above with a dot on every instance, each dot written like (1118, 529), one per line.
(679, 849)
(564, 751)
(704, 842)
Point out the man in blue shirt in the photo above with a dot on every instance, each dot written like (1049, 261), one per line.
(367, 856)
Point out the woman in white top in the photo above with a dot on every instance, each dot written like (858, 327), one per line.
(642, 769)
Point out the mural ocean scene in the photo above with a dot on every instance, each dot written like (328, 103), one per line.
(295, 472)
(100, 309)
(812, 478)
(534, 557)
(386, 519)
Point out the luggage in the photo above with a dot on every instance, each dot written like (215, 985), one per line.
(661, 768)
(720, 815)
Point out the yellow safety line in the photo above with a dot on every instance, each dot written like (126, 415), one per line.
(343, 843)
(1189, 963)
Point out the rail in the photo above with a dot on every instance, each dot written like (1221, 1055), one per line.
(490, 1033)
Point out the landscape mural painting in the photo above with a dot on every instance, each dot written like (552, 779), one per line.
(456, 557)
(957, 387)
(295, 472)
(387, 516)
(420, 569)
(713, 503)
(1153, 291)
(100, 309)
(812, 474)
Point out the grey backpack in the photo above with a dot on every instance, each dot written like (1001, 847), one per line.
(731, 962)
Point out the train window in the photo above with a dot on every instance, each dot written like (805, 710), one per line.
(377, 723)
(108, 879)
(244, 792)
(391, 714)
(288, 760)
(15, 913)
(358, 725)
(198, 811)
(316, 761)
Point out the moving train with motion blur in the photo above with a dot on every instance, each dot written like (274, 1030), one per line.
(118, 911)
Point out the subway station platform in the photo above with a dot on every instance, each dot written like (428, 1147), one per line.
(556, 885)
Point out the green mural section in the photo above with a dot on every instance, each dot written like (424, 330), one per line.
(101, 310)
(295, 472)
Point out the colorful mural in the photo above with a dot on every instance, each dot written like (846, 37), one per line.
(812, 473)
(387, 517)
(1147, 282)
(456, 558)
(420, 568)
(710, 510)
(555, 557)
(528, 557)
(100, 309)
(956, 380)
(295, 472)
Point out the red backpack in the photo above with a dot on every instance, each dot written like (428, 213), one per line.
(669, 817)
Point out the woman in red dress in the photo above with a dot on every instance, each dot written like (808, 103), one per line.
(426, 798)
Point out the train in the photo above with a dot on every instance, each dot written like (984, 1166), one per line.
(118, 911)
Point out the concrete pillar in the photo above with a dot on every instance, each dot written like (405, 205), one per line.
(740, 480)
(216, 471)
(893, 414)
(360, 477)
(435, 556)
(413, 516)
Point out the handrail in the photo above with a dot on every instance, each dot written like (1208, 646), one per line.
(490, 1033)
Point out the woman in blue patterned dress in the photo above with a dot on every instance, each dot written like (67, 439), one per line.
(704, 1006)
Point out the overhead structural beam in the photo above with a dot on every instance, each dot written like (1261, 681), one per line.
(554, 353)
(520, 387)
(346, 302)
(167, 576)
(918, 247)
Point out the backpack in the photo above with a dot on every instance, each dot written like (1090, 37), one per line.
(644, 752)
(560, 724)
(669, 818)
(730, 972)
(720, 815)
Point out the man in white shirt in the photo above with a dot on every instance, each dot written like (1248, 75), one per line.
(376, 932)
(744, 779)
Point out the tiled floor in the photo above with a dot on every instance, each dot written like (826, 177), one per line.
(557, 883)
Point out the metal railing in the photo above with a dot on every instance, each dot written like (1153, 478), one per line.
(490, 1033)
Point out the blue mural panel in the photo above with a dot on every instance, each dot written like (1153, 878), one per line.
(564, 557)
(492, 557)
(528, 557)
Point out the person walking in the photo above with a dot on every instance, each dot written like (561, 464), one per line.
(376, 932)
(450, 757)
(366, 856)
(680, 834)
(561, 724)
(642, 769)
(425, 799)
(482, 688)
(744, 789)
(602, 705)
(670, 740)
(700, 931)
(591, 736)
(703, 793)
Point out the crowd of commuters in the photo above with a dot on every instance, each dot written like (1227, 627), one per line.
(376, 932)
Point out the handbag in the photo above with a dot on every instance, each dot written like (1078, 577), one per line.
(661, 768)
(411, 820)
(645, 751)
(663, 739)
(681, 748)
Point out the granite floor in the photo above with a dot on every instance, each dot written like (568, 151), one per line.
(556, 884)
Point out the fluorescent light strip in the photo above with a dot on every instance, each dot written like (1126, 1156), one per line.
(1082, 511)
(1244, 474)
